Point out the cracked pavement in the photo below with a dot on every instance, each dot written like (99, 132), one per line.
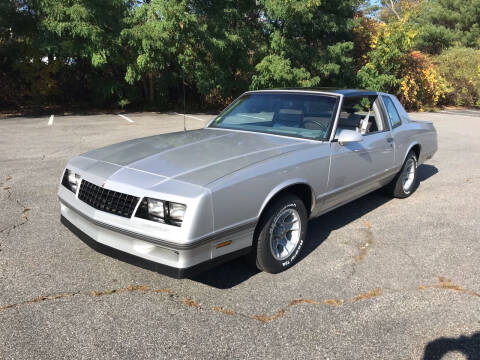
(380, 278)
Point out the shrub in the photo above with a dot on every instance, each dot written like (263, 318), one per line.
(461, 69)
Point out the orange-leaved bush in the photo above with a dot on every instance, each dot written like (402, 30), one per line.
(421, 85)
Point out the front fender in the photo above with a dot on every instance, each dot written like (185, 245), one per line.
(282, 186)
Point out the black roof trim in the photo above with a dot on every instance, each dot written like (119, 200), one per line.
(344, 92)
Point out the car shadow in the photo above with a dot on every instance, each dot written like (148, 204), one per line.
(320, 228)
(426, 171)
(469, 346)
(227, 275)
(235, 272)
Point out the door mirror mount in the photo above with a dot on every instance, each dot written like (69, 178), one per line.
(349, 136)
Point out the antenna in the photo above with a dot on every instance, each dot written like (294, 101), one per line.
(184, 101)
(183, 83)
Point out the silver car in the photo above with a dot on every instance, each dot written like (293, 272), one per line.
(248, 182)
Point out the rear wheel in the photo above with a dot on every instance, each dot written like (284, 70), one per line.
(406, 181)
(280, 234)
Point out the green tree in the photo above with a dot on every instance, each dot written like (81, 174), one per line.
(152, 34)
(232, 43)
(209, 45)
(19, 60)
(83, 28)
(84, 35)
(444, 23)
(383, 70)
(310, 41)
(275, 71)
(138, 52)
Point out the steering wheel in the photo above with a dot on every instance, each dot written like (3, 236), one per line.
(320, 125)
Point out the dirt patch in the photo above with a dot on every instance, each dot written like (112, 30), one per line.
(266, 319)
(444, 283)
(191, 303)
(94, 293)
(303, 301)
(223, 311)
(363, 250)
(367, 295)
(333, 302)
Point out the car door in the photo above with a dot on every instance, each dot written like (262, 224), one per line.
(359, 167)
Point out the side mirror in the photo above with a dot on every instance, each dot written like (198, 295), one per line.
(349, 136)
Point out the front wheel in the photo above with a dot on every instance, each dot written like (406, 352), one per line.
(280, 234)
(406, 181)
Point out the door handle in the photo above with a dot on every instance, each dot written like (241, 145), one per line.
(390, 140)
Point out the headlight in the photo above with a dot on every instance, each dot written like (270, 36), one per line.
(71, 180)
(155, 208)
(176, 211)
(165, 212)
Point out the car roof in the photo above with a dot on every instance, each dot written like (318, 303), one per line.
(344, 92)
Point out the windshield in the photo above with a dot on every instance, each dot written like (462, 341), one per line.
(298, 115)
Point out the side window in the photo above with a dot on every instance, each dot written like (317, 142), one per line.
(392, 112)
(360, 114)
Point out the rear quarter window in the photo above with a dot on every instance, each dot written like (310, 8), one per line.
(401, 110)
(392, 112)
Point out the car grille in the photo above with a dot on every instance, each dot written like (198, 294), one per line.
(107, 200)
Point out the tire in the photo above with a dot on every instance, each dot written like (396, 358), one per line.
(269, 252)
(400, 187)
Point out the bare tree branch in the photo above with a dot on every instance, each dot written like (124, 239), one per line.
(391, 6)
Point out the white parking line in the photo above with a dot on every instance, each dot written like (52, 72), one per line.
(190, 116)
(50, 121)
(126, 118)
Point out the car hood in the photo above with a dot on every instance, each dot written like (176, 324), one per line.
(198, 157)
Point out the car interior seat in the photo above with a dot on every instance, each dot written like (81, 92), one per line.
(349, 120)
(289, 117)
(315, 116)
(365, 124)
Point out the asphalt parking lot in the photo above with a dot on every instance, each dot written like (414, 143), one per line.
(381, 278)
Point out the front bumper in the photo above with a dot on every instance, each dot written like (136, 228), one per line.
(175, 262)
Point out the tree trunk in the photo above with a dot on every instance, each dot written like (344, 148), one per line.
(151, 94)
(145, 88)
